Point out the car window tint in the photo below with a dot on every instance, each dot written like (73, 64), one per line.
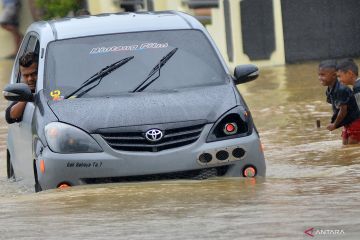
(71, 62)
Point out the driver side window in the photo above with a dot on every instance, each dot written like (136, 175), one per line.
(30, 44)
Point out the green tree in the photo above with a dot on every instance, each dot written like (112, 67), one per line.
(57, 8)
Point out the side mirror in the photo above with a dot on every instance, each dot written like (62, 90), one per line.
(245, 73)
(19, 92)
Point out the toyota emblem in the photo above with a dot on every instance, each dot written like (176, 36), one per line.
(154, 135)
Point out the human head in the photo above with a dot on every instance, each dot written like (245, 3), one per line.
(347, 71)
(327, 72)
(28, 69)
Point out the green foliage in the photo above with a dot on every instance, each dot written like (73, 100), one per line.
(57, 8)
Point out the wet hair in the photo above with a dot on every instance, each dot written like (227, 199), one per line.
(328, 64)
(346, 65)
(28, 58)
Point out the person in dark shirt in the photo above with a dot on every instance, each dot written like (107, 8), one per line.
(345, 111)
(28, 70)
(348, 74)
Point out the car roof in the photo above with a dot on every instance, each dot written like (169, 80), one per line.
(116, 23)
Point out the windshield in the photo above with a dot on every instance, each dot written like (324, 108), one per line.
(70, 62)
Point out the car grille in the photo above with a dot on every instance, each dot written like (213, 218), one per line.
(136, 141)
(198, 174)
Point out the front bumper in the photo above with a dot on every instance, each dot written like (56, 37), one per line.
(75, 168)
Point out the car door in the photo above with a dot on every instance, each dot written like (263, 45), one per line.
(20, 143)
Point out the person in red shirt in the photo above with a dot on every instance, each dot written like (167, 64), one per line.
(345, 111)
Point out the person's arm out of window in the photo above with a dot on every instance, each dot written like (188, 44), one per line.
(14, 112)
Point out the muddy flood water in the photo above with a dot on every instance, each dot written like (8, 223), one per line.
(312, 183)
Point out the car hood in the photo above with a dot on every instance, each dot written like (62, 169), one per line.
(146, 108)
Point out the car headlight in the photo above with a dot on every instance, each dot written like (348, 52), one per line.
(235, 123)
(64, 138)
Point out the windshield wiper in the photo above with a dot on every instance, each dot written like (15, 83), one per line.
(157, 68)
(99, 76)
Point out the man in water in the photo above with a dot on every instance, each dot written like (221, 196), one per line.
(28, 70)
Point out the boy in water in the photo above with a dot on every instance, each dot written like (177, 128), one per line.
(345, 110)
(347, 73)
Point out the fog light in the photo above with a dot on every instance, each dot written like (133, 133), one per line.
(64, 185)
(205, 157)
(249, 172)
(230, 128)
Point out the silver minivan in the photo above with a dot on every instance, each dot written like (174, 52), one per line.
(129, 97)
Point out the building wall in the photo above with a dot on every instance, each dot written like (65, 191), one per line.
(263, 32)
(321, 29)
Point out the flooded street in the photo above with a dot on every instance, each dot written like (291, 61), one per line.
(312, 182)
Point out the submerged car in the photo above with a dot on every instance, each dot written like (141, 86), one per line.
(129, 97)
